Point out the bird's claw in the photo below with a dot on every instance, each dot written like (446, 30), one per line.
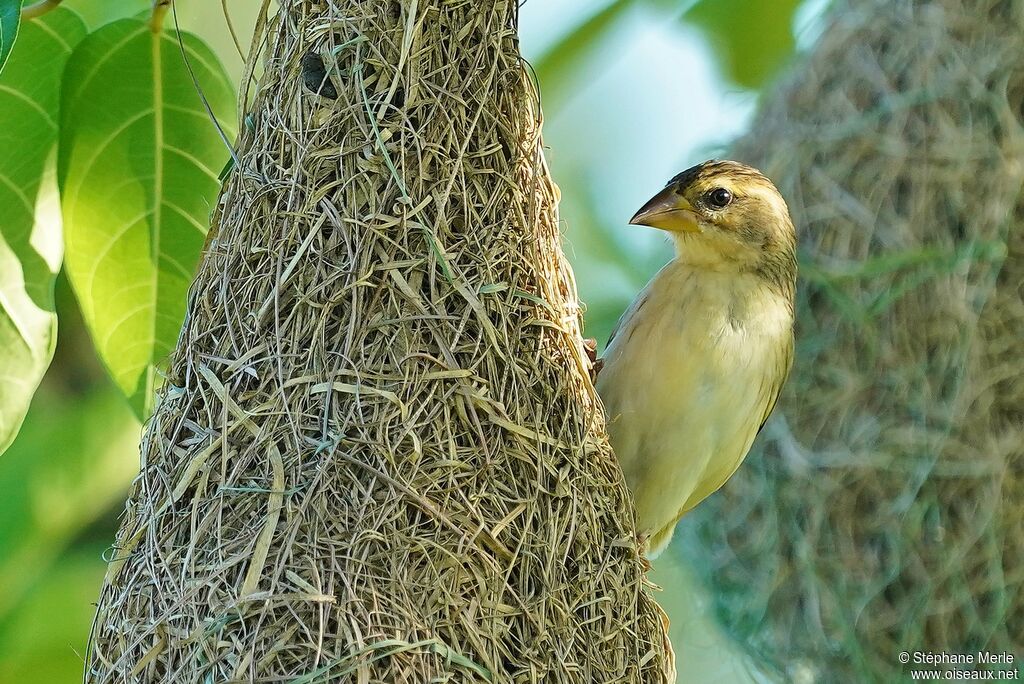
(590, 346)
(643, 546)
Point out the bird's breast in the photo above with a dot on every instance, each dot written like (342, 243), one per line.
(697, 331)
(686, 383)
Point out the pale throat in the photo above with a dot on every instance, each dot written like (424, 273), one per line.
(702, 250)
(729, 281)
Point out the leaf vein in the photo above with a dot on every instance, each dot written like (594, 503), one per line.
(30, 102)
(195, 160)
(112, 330)
(188, 217)
(164, 256)
(53, 34)
(99, 150)
(100, 255)
(91, 74)
(18, 192)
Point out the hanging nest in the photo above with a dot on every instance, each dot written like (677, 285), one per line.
(884, 508)
(377, 456)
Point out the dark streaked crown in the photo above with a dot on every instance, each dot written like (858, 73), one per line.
(714, 167)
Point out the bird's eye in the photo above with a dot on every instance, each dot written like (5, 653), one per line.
(719, 198)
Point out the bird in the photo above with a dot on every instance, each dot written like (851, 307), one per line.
(695, 365)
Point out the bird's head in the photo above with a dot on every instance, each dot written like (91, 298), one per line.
(723, 213)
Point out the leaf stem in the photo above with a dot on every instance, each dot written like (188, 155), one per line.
(38, 9)
(156, 19)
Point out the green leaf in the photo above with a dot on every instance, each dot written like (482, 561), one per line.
(139, 160)
(96, 13)
(72, 463)
(560, 69)
(753, 38)
(10, 19)
(30, 230)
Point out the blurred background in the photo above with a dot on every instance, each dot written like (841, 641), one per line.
(633, 92)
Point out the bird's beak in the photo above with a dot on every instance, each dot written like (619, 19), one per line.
(668, 210)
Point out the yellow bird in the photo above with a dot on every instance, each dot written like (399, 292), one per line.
(695, 365)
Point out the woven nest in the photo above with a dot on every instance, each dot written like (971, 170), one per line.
(884, 508)
(377, 456)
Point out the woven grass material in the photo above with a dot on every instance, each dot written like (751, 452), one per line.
(884, 509)
(378, 456)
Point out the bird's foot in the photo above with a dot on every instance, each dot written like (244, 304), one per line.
(643, 545)
(590, 345)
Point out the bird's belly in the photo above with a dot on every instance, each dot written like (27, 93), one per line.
(705, 435)
(683, 410)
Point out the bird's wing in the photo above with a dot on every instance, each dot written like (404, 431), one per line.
(776, 391)
(712, 481)
(620, 325)
(624, 319)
